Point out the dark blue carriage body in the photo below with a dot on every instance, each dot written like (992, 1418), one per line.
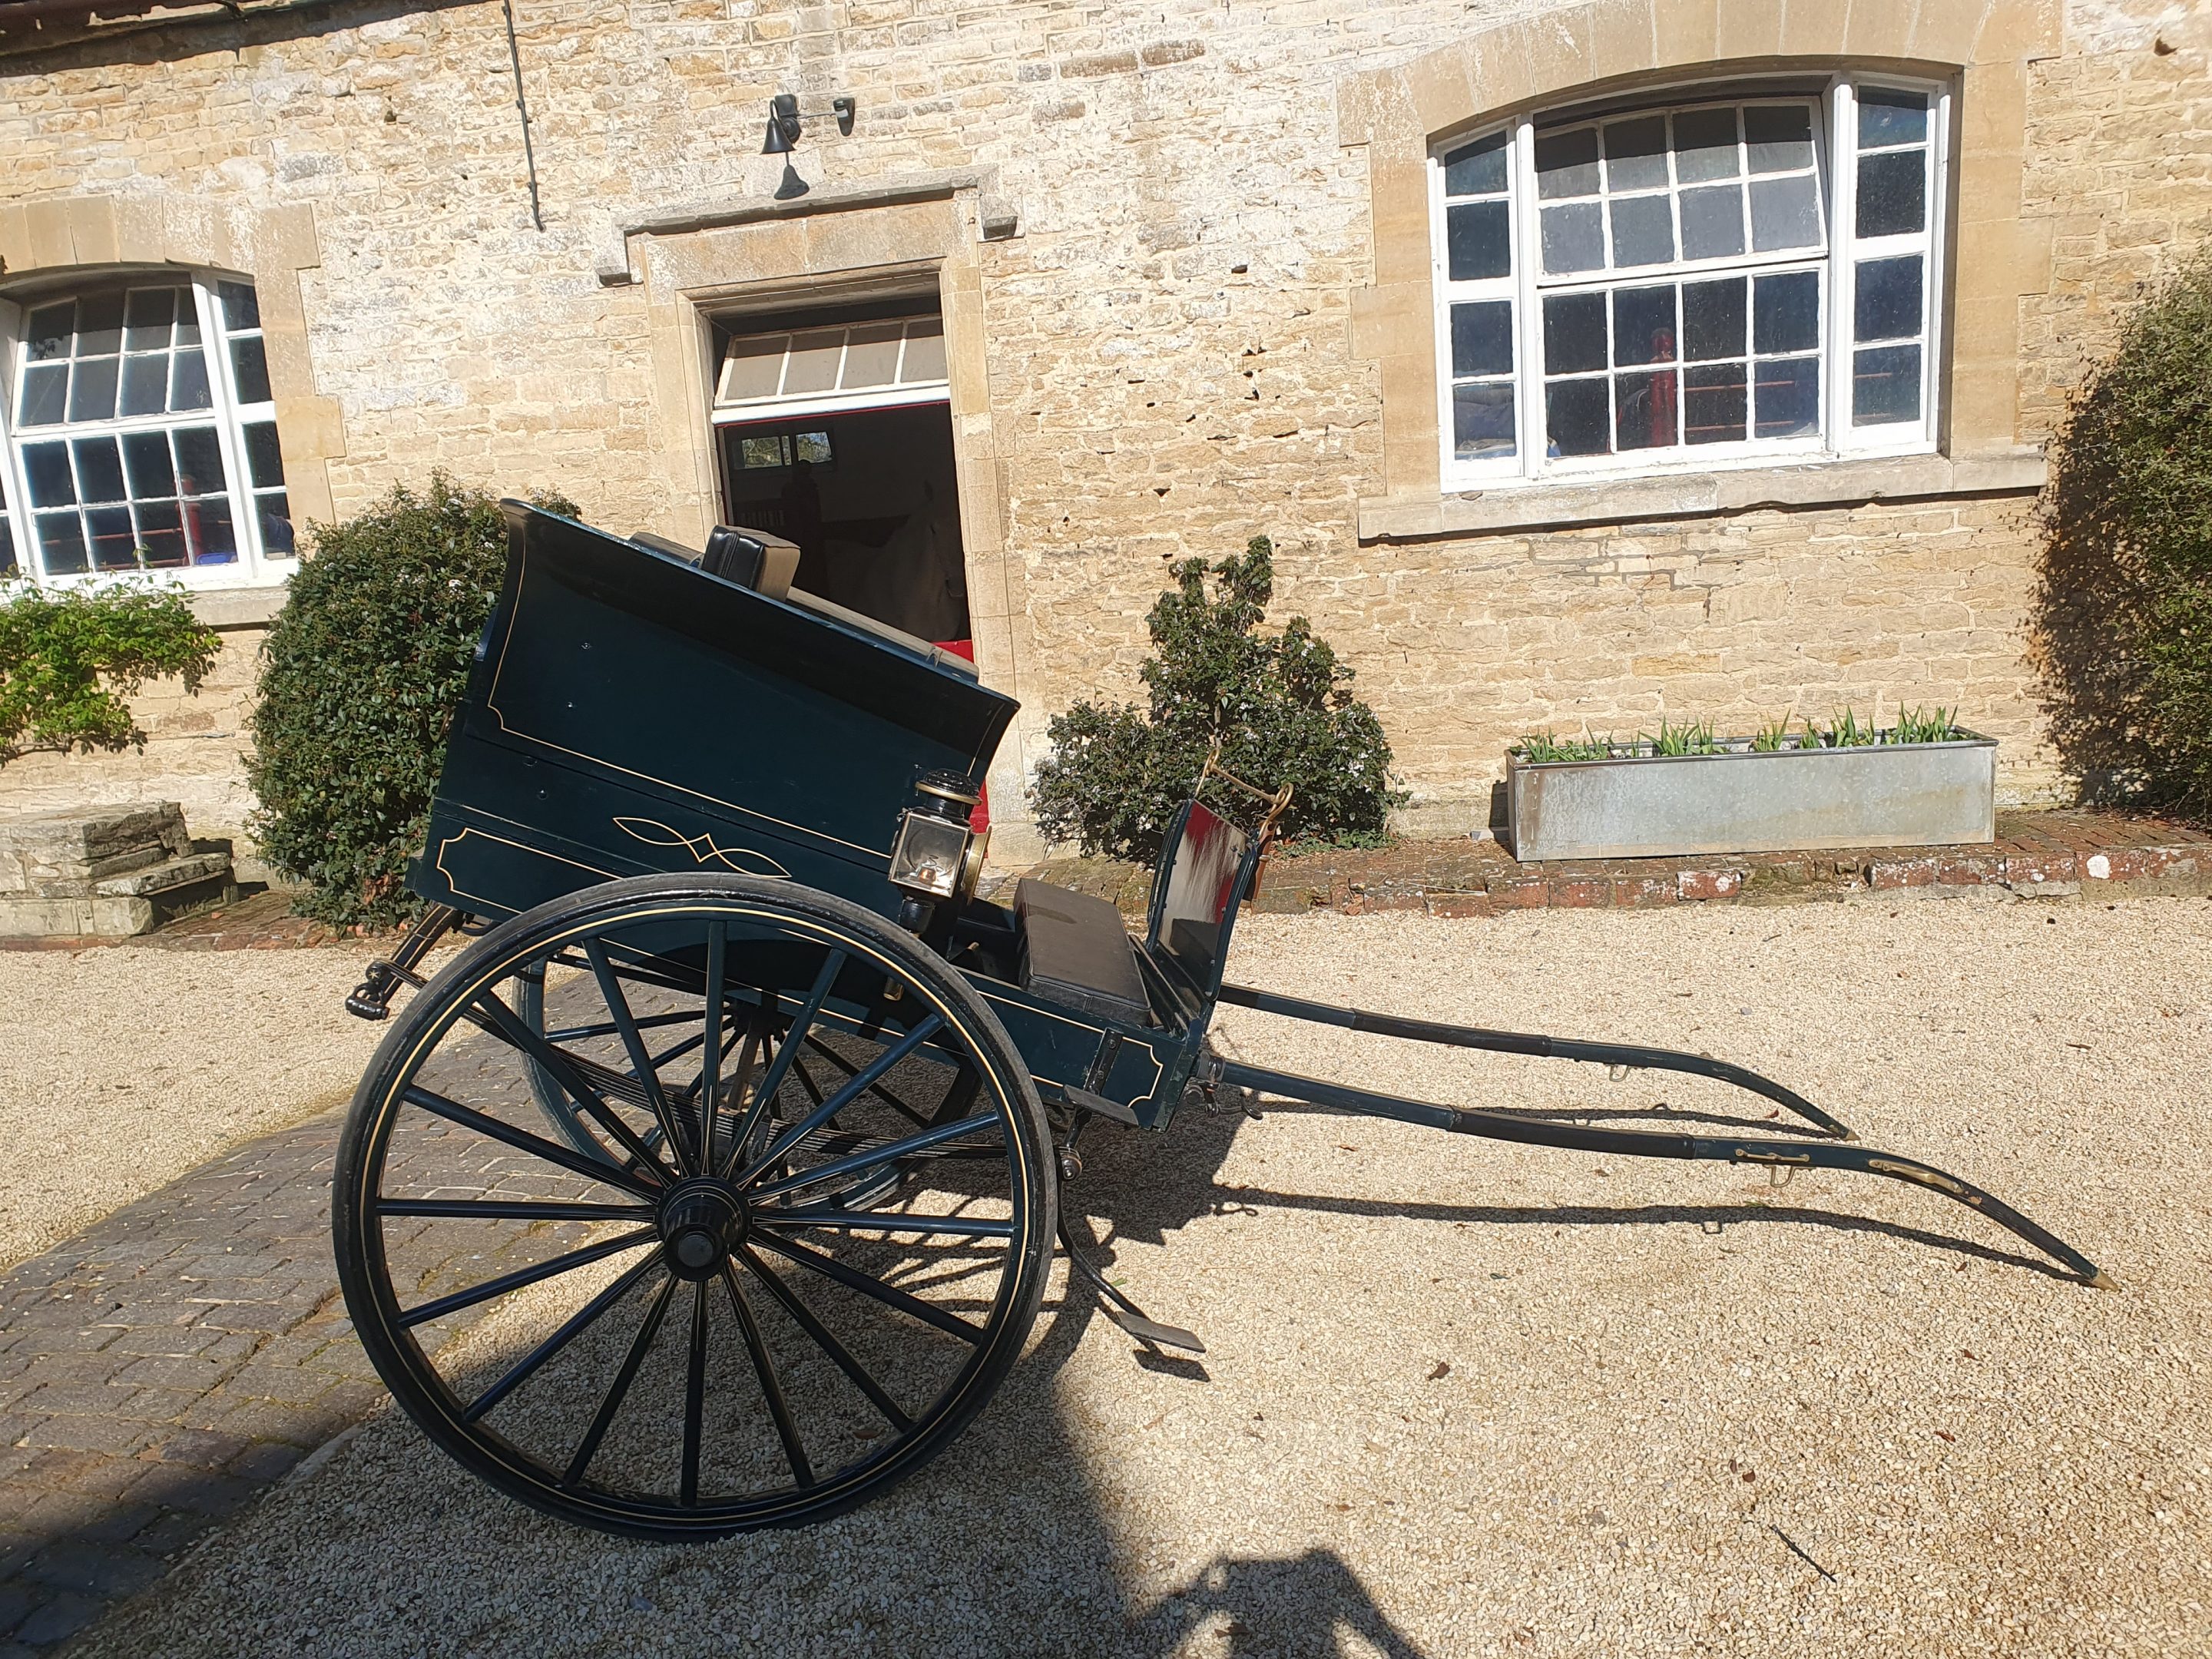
(629, 713)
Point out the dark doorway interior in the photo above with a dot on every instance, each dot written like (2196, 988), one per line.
(870, 498)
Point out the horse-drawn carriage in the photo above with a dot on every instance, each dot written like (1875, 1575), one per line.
(742, 1110)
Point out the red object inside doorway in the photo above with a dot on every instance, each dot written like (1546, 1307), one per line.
(980, 819)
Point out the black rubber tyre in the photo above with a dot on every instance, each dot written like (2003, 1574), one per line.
(774, 1286)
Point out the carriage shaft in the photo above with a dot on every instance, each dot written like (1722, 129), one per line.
(1639, 1143)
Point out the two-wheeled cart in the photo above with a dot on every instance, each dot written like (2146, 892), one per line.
(742, 1113)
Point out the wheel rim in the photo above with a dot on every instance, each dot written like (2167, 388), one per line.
(803, 1246)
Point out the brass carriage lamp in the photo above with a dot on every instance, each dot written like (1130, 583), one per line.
(930, 855)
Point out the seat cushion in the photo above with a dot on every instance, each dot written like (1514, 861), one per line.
(1076, 952)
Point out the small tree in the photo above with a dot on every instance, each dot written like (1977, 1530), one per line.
(361, 676)
(1278, 706)
(2124, 633)
(69, 659)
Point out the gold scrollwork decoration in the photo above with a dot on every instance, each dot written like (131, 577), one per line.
(702, 849)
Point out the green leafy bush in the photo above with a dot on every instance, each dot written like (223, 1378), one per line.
(1279, 705)
(361, 676)
(71, 657)
(2123, 624)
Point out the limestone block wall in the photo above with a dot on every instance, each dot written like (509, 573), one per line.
(1169, 358)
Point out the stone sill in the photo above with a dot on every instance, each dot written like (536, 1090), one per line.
(1700, 495)
(226, 608)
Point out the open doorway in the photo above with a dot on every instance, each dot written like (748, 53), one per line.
(835, 432)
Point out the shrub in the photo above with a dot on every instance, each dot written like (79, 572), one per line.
(2124, 626)
(361, 676)
(1277, 704)
(69, 658)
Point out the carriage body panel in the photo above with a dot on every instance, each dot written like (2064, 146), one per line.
(629, 713)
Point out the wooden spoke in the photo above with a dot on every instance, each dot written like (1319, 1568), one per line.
(778, 1408)
(876, 1221)
(521, 1276)
(524, 1367)
(710, 1063)
(873, 1158)
(611, 993)
(787, 1051)
(695, 1396)
(825, 1340)
(591, 1169)
(562, 1070)
(509, 1209)
(853, 1278)
(854, 1085)
(612, 1402)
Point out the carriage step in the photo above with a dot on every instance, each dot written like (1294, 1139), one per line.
(1117, 1306)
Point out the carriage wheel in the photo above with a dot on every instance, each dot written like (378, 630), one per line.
(807, 1242)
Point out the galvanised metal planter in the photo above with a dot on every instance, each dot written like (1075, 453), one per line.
(1888, 794)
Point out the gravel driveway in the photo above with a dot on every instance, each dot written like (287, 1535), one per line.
(1463, 1398)
(123, 1067)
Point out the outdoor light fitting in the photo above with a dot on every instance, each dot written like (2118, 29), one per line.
(782, 123)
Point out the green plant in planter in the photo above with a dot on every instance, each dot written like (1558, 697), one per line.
(1924, 726)
(71, 657)
(1540, 748)
(1694, 737)
(361, 676)
(1279, 705)
(1771, 739)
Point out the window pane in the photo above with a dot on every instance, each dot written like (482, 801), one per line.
(760, 451)
(1643, 325)
(98, 324)
(1891, 117)
(264, 464)
(148, 316)
(1482, 338)
(1780, 137)
(146, 457)
(49, 470)
(1785, 312)
(1893, 193)
(1712, 222)
(1576, 414)
(240, 308)
(160, 533)
(751, 367)
(1636, 153)
(812, 447)
(1566, 164)
(275, 512)
(1784, 213)
(208, 530)
(1574, 237)
(47, 329)
(872, 355)
(925, 352)
(199, 463)
(61, 542)
(1482, 422)
(1574, 333)
(1788, 401)
(92, 389)
(1888, 306)
(146, 384)
(8, 560)
(1643, 231)
(1477, 237)
(99, 469)
(1885, 385)
(249, 362)
(1713, 319)
(46, 389)
(1704, 145)
(1714, 401)
(188, 381)
(1477, 169)
(812, 366)
(1643, 410)
(114, 538)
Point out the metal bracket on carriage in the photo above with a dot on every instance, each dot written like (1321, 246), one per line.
(371, 999)
(1114, 1304)
(1066, 1094)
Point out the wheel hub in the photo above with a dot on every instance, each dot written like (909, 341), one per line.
(702, 1221)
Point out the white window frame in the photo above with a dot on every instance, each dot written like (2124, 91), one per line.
(1835, 158)
(255, 565)
(897, 393)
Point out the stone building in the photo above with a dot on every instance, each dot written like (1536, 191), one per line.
(1588, 362)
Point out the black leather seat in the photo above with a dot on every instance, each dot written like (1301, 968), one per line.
(1076, 952)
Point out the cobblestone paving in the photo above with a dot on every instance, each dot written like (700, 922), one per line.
(166, 1367)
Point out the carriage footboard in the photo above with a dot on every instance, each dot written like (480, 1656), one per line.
(1637, 1143)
